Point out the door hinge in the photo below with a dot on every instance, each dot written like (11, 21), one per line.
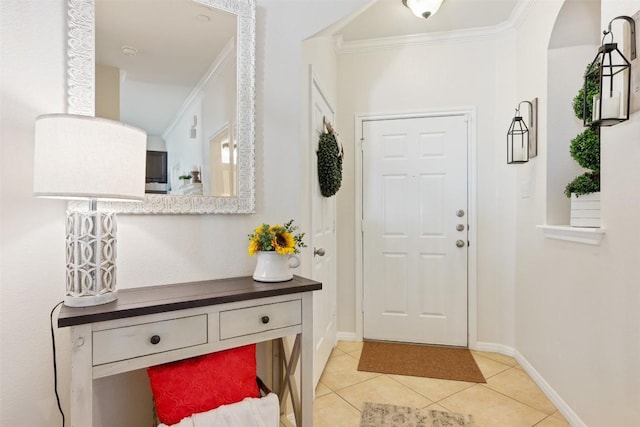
(362, 226)
(362, 144)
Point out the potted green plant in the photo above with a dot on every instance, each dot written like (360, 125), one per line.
(584, 190)
(186, 179)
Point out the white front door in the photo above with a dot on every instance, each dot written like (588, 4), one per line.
(323, 240)
(415, 229)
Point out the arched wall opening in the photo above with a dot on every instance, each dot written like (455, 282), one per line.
(573, 45)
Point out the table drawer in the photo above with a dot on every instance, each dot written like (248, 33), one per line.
(252, 320)
(112, 345)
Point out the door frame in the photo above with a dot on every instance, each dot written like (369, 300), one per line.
(472, 206)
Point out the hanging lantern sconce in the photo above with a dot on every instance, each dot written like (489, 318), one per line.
(522, 140)
(607, 82)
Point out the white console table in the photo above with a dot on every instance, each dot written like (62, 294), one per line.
(159, 324)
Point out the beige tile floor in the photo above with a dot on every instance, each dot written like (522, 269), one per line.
(509, 398)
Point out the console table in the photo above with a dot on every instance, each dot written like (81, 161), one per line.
(159, 324)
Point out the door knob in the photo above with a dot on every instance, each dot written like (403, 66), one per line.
(460, 213)
(318, 252)
(460, 243)
(460, 227)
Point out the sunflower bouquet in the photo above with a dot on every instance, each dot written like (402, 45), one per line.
(279, 238)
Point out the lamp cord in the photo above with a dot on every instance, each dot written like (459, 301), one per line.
(55, 365)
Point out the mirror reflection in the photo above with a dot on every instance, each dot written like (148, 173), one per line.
(170, 67)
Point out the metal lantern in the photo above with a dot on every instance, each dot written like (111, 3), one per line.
(517, 141)
(608, 103)
(522, 140)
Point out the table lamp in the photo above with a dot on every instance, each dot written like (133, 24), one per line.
(84, 157)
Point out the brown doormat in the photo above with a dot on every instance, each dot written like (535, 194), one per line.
(447, 363)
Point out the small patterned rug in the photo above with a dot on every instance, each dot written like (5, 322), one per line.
(381, 415)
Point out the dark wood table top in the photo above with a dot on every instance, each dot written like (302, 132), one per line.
(180, 296)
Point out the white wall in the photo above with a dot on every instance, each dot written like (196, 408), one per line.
(576, 307)
(31, 231)
(152, 249)
(156, 143)
(437, 76)
(184, 152)
(214, 107)
(219, 109)
(107, 92)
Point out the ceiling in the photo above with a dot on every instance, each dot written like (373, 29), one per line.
(390, 18)
(177, 41)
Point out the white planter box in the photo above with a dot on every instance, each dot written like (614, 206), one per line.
(585, 210)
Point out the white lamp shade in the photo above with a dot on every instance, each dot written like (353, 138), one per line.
(423, 8)
(83, 157)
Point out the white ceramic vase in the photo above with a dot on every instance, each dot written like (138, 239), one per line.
(274, 267)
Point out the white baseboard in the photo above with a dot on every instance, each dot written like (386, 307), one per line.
(571, 417)
(347, 336)
(494, 348)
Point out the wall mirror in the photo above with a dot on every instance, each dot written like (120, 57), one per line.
(184, 71)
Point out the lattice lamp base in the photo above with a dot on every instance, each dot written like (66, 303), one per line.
(91, 258)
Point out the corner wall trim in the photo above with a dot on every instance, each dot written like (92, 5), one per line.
(546, 388)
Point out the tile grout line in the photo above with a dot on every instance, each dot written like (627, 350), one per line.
(484, 354)
(538, 423)
(485, 385)
(347, 402)
(342, 388)
(501, 363)
(516, 399)
(412, 389)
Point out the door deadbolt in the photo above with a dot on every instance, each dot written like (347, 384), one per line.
(460, 213)
(460, 227)
(460, 243)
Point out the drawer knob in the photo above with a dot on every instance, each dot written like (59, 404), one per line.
(265, 319)
(155, 339)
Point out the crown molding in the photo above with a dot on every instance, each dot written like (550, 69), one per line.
(519, 13)
(223, 58)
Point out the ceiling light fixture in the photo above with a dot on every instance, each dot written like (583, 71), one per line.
(423, 8)
(129, 50)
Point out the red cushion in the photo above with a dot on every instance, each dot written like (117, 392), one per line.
(181, 389)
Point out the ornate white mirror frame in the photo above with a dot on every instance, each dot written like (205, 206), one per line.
(81, 100)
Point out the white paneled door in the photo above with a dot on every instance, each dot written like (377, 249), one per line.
(415, 229)
(323, 242)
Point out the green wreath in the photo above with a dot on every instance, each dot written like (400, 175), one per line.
(329, 164)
